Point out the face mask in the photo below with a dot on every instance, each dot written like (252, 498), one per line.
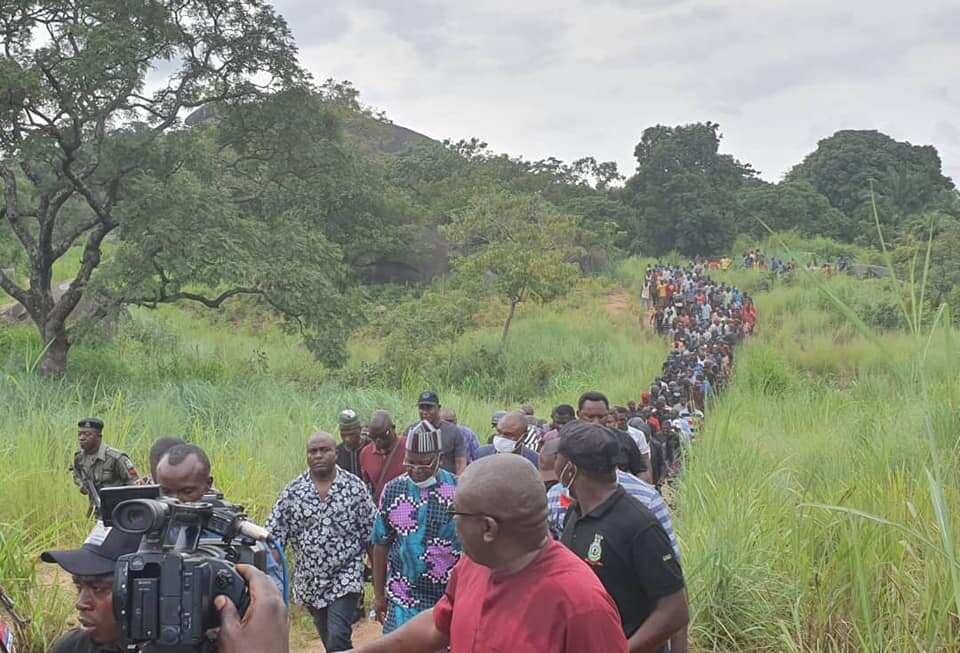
(503, 445)
(423, 485)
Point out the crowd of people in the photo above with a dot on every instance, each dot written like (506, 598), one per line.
(566, 545)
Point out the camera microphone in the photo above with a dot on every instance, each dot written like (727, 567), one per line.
(255, 532)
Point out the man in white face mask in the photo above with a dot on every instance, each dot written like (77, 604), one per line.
(511, 430)
(415, 545)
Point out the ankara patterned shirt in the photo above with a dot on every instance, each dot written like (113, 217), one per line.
(419, 531)
(328, 536)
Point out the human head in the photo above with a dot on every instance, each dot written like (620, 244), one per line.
(561, 415)
(548, 459)
(428, 405)
(620, 413)
(89, 434)
(587, 453)
(495, 419)
(513, 426)
(91, 567)
(351, 428)
(382, 430)
(501, 508)
(593, 407)
(632, 406)
(527, 409)
(448, 415)
(183, 473)
(422, 457)
(160, 447)
(610, 421)
(321, 454)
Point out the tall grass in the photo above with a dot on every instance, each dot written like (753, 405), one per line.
(250, 397)
(807, 516)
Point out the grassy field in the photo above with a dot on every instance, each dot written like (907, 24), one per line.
(814, 514)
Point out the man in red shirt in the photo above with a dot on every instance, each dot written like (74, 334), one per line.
(517, 589)
(381, 461)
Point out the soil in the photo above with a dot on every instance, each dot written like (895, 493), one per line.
(617, 303)
(363, 633)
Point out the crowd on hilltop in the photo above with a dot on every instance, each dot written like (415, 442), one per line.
(566, 545)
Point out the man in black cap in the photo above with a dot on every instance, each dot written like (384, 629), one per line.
(96, 466)
(351, 442)
(453, 456)
(92, 569)
(620, 538)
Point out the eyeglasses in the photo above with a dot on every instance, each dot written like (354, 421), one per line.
(457, 513)
(419, 468)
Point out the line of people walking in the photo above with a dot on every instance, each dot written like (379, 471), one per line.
(566, 545)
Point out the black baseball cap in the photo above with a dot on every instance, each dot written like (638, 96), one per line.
(590, 446)
(99, 553)
(91, 423)
(428, 397)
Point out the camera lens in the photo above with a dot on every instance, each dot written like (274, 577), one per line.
(140, 515)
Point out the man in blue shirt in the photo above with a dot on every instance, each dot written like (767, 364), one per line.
(415, 544)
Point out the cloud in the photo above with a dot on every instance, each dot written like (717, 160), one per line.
(574, 78)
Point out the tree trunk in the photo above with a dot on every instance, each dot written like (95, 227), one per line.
(56, 347)
(506, 325)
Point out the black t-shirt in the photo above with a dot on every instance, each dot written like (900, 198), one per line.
(77, 641)
(629, 551)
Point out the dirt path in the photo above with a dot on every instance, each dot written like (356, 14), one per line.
(363, 633)
(617, 302)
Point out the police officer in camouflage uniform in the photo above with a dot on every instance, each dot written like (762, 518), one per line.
(97, 464)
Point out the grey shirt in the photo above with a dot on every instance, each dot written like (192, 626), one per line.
(452, 446)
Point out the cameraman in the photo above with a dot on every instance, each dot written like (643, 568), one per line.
(183, 473)
(262, 629)
(92, 569)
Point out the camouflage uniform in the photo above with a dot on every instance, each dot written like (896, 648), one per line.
(108, 467)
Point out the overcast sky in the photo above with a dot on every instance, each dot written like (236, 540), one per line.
(564, 78)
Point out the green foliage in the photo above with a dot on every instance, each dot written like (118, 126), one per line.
(685, 191)
(518, 247)
(907, 179)
(789, 205)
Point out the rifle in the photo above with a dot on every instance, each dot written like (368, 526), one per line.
(91, 489)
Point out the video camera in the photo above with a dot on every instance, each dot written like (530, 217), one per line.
(163, 594)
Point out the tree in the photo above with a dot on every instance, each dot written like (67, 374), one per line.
(520, 247)
(789, 205)
(90, 150)
(684, 190)
(905, 178)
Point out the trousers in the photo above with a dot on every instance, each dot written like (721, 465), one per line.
(334, 623)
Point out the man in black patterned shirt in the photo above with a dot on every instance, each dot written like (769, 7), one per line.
(325, 515)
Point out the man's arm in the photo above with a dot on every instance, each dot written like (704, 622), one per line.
(419, 635)
(379, 559)
(670, 616)
(678, 643)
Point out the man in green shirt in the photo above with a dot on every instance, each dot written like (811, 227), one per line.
(98, 466)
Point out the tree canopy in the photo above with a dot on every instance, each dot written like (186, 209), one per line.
(684, 190)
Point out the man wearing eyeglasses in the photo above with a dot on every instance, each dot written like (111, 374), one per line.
(415, 544)
(516, 589)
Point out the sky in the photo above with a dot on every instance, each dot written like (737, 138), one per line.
(541, 78)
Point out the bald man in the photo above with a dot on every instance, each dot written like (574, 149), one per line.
(381, 461)
(325, 516)
(511, 431)
(516, 589)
